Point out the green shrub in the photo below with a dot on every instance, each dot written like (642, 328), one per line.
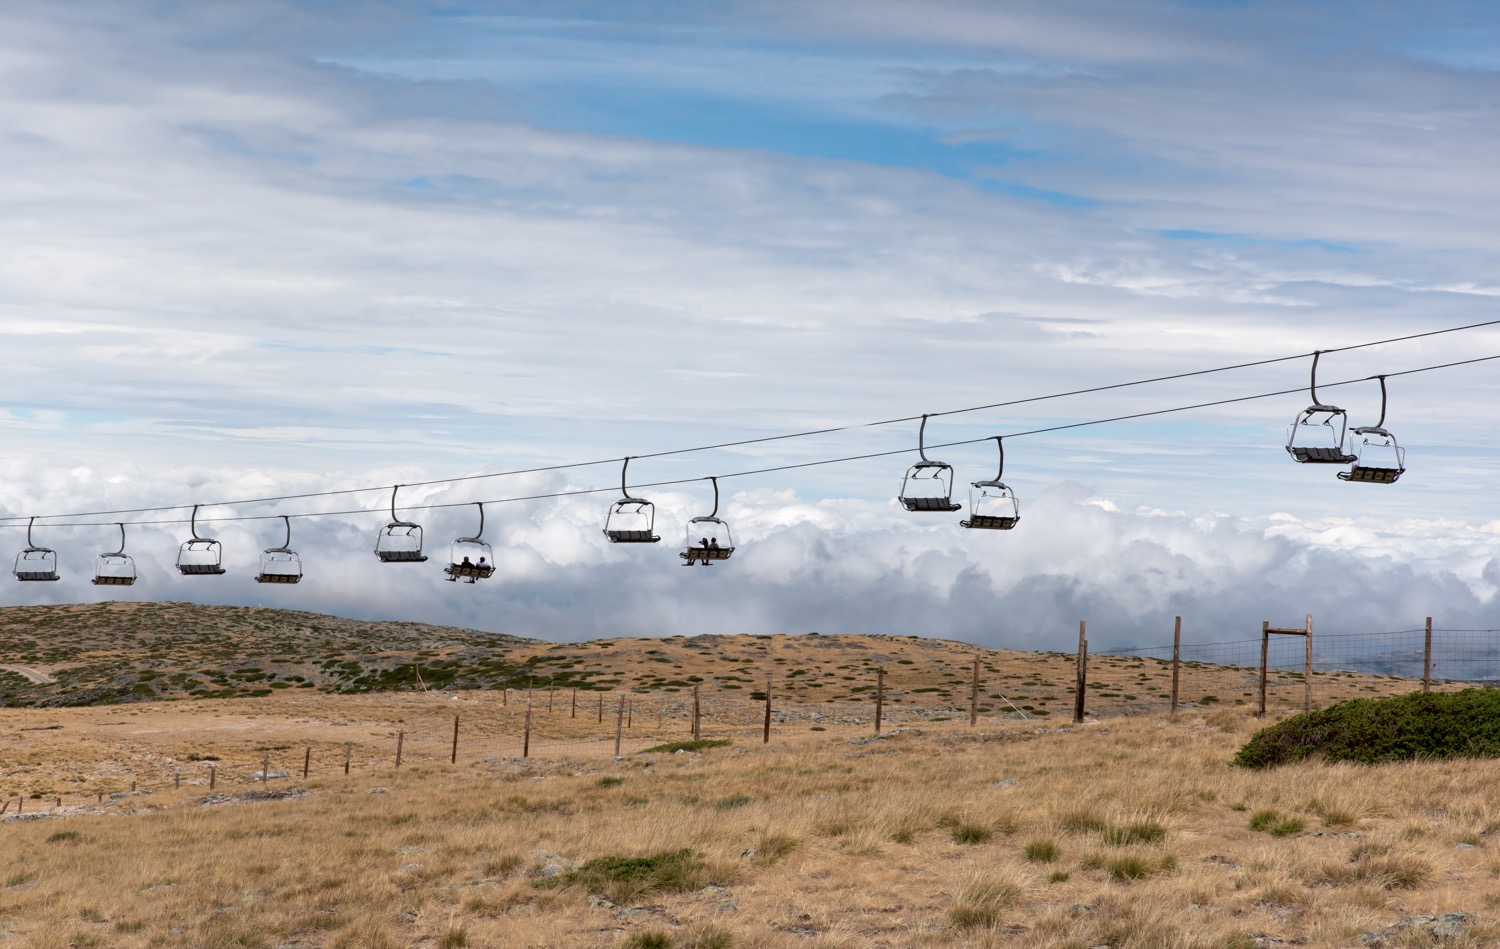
(692, 745)
(730, 803)
(971, 834)
(1275, 823)
(610, 781)
(652, 939)
(624, 878)
(1041, 851)
(1369, 731)
(1141, 832)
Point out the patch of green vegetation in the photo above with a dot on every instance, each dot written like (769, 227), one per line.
(1276, 823)
(697, 744)
(1041, 851)
(732, 802)
(624, 878)
(1431, 725)
(1140, 832)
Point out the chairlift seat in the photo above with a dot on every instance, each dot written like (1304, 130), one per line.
(942, 505)
(37, 568)
(200, 569)
(108, 581)
(401, 556)
(1361, 474)
(278, 578)
(1321, 456)
(471, 571)
(631, 536)
(991, 522)
(704, 555)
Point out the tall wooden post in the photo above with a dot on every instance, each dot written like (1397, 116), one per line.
(348, 753)
(265, 766)
(1083, 673)
(574, 713)
(601, 708)
(697, 719)
(879, 697)
(453, 758)
(619, 718)
(765, 736)
(400, 740)
(1265, 649)
(974, 694)
(1307, 670)
(1176, 660)
(505, 696)
(526, 735)
(629, 713)
(551, 687)
(213, 777)
(1427, 657)
(306, 762)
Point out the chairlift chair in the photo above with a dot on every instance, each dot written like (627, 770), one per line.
(993, 505)
(114, 569)
(399, 541)
(35, 563)
(630, 520)
(280, 564)
(1378, 459)
(708, 538)
(928, 485)
(200, 556)
(470, 558)
(1316, 435)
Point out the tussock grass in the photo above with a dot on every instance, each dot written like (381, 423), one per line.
(984, 895)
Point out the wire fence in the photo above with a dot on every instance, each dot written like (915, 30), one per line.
(1281, 671)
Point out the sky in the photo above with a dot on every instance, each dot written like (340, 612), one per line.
(269, 250)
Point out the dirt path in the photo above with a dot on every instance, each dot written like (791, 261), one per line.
(40, 678)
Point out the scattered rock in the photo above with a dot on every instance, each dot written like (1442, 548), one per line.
(411, 850)
(1007, 783)
(409, 867)
(268, 775)
(380, 790)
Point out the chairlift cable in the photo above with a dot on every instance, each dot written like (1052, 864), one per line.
(576, 492)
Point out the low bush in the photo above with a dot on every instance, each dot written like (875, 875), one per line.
(690, 745)
(624, 878)
(1369, 731)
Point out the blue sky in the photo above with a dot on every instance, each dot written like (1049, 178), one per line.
(270, 249)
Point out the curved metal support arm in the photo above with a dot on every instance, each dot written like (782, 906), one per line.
(1381, 424)
(1313, 384)
(922, 439)
(716, 496)
(1000, 444)
(29, 544)
(287, 544)
(121, 551)
(393, 502)
(480, 533)
(624, 491)
(193, 524)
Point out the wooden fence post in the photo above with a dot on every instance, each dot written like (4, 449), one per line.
(1265, 649)
(213, 777)
(306, 761)
(879, 697)
(575, 703)
(176, 784)
(1176, 660)
(551, 687)
(697, 716)
(974, 695)
(601, 708)
(400, 741)
(348, 753)
(630, 714)
(1307, 670)
(1082, 674)
(526, 735)
(453, 759)
(619, 718)
(1427, 657)
(265, 766)
(765, 737)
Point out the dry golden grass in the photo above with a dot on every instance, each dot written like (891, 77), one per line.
(810, 841)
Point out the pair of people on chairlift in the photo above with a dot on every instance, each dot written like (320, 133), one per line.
(468, 567)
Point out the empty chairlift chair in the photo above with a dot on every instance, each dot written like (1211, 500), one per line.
(114, 569)
(1316, 435)
(470, 558)
(992, 505)
(1378, 459)
(200, 556)
(928, 485)
(708, 538)
(630, 520)
(35, 563)
(399, 541)
(280, 564)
